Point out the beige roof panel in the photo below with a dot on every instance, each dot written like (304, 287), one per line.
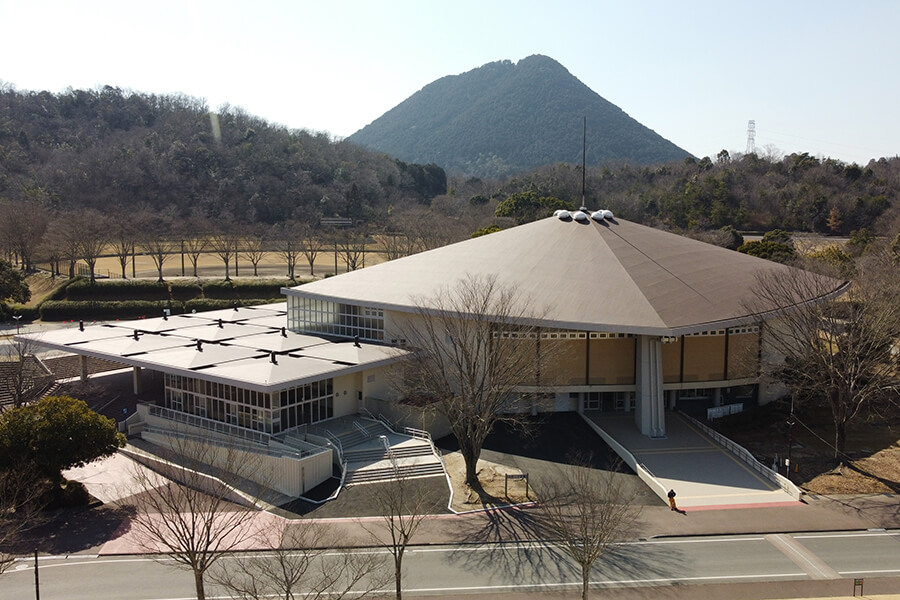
(601, 276)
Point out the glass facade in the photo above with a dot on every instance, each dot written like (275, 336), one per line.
(309, 315)
(269, 412)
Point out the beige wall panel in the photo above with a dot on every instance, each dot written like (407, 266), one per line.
(704, 358)
(671, 361)
(563, 362)
(612, 361)
(743, 355)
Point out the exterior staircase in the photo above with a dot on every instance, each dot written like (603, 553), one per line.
(374, 452)
(431, 469)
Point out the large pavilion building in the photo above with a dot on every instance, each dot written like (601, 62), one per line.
(648, 321)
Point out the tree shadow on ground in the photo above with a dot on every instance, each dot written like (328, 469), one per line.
(67, 531)
(516, 545)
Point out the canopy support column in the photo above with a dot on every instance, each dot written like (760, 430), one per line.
(650, 413)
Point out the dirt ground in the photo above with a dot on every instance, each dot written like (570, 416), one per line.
(873, 448)
(492, 476)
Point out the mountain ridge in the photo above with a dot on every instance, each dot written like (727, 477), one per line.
(504, 117)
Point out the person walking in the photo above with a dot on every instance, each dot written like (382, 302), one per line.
(671, 496)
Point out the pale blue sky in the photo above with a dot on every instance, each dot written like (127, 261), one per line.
(817, 76)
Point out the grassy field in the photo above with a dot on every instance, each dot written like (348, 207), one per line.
(209, 265)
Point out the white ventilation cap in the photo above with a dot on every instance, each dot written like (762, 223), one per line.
(607, 214)
(563, 215)
(580, 217)
(597, 215)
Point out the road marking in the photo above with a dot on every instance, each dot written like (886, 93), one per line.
(870, 572)
(570, 584)
(802, 557)
(813, 536)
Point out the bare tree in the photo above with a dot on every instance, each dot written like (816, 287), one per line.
(225, 244)
(588, 511)
(351, 245)
(836, 353)
(64, 239)
(254, 248)
(474, 345)
(396, 242)
(190, 515)
(20, 509)
(310, 245)
(299, 563)
(23, 224)
(194, 238)
(90, 229)
(286, 240)
(402, 509)
(125, 229)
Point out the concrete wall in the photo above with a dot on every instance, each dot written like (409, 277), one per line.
(410, 416)
(286, 474)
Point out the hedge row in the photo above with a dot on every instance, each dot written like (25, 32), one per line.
(56, 310)
(28, 313)
(185, 290)
(242, 288)
(81, 289)
(117, 289)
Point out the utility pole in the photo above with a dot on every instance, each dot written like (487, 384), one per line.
(37, 580)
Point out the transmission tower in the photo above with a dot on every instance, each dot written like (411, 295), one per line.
(751, 137)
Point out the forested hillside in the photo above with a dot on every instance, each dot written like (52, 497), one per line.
(506, 117)
(106, 172)
(109, 148)
(797, 192)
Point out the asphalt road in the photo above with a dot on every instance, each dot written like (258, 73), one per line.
(524, 568)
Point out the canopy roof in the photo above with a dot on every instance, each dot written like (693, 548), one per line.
(587, 274)
(246, 352)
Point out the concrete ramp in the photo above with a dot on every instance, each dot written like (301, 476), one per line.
(704, 474)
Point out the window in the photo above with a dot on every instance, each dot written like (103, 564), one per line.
(308, 315)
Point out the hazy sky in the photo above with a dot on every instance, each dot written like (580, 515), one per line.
(818, 76)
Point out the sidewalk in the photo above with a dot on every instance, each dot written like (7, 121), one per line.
(880, 511)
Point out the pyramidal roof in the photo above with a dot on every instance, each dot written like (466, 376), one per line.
(596, 275)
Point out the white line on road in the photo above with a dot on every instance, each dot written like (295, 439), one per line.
(802, 557)
(537, 586)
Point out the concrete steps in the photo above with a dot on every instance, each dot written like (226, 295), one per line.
(431, 469)
(374, 455)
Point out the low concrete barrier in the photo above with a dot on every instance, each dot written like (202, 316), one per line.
(629, 459)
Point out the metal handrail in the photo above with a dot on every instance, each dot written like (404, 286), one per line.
(210, 424)
(778, 479)
(252, 447)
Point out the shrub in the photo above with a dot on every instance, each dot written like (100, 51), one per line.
(28, 313)
(246, 289)
(185, 290)
(117, 289)
(202, 304)
(55, 310)
(60, 292)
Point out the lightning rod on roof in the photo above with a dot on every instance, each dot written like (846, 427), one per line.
(583, 158)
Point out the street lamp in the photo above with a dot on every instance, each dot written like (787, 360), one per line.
(17, 319)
